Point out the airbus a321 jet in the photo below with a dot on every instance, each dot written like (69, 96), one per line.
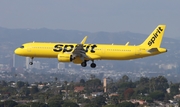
(81, 53)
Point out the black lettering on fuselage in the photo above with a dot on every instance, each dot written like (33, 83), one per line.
(58, 48)
(69, 48)
(92, 48)
(155, 36)
(86, 47)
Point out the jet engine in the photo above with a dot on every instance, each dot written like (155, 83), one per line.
(64, 57)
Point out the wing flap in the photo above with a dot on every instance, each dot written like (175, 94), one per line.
(92, 56)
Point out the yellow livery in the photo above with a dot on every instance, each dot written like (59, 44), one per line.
(80, 53)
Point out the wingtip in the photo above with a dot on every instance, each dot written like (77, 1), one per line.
(84, 40)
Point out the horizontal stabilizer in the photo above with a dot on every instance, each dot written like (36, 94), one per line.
(152, 50)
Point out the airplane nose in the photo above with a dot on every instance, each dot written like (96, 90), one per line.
(17, 51)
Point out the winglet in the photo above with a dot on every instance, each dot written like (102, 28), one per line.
(127, 44)
(84, 40)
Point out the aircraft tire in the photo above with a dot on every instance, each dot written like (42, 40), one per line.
(83, 64)
(30, 63)
(93, 65)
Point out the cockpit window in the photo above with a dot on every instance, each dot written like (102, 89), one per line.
(21, 46)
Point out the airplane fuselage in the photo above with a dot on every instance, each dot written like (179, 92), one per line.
(82, 52)
(98, 51)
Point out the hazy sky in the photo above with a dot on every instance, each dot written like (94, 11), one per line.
(140, 16)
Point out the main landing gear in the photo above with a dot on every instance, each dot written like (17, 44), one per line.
(84, 64)
(31, 62)
(93, 65)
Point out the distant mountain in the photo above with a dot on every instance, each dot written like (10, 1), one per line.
(177, 37)
(20, 36)
(13, 38)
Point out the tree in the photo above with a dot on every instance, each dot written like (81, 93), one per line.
(143, 81)
(167, 97)
(93, 85)
(128, 93)
(92, 76)
(70, 104)
(112, 87)
(34, 90)
(56, 79)
(82, 82)
(110, 106)
(1, 104)
(37, 104)
(114, 100)
(91, 105)
(10, 103)
(55, 103)
(148, 99)
(8, 90)
(3, 83)
(20, 84)
(158, 83)
(179, 103)
(157, 95)
(21, 105)
(174, 89)
(99, 100)
(125, 78)
(71, 86)
(122, 86)
(126, 104)
(25, 91)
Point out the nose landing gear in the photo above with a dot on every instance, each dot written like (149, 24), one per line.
(31, 62)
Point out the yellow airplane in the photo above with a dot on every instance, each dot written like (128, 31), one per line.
(81, 53)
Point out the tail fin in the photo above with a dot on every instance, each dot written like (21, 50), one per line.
(155, 38)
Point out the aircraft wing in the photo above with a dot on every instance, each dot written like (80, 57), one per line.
(79, 52)
(93, 56)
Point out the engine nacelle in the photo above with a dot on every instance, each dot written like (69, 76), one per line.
(64, 57)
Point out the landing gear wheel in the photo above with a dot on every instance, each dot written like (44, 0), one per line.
(30, 63)
(93, 65)
(83, 64)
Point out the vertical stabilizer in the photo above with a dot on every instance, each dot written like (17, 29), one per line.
(155, 38)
